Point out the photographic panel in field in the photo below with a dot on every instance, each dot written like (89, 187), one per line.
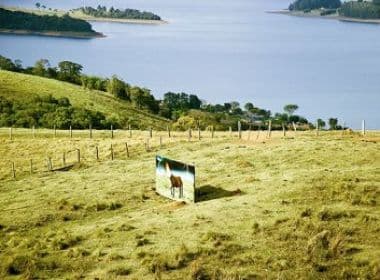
(175, 179)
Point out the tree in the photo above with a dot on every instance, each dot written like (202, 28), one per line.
(6, 64)
(38, 5)
(290, 109)
(40, 67)
(194, 102)
(118, 88)
(69, 71)
(248, 106)
(234, 105)
(333, 122)
(321, 123)
(227, 106)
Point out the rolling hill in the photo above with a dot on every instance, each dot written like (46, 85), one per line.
(20, 87)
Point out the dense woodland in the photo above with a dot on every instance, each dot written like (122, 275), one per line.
(361, 9)
(355, 9)
(17, 20)
(102, 11)
(48, 112)
(302, 5)
(185, 110)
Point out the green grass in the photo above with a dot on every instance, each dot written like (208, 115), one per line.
(301, 207)
(21, 86)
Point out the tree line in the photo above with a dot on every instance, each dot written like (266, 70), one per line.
(307, 5)
(49, 112)
(102, 11)
(361, 9)
(184, 110)
(355, 9)
(17, 20)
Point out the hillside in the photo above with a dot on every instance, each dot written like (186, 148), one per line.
(22, 87)
(20, 22)
(300, 207)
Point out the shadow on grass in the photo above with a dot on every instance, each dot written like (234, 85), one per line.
(208, 192)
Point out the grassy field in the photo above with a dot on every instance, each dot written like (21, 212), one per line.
(300, 207)
(19, 87)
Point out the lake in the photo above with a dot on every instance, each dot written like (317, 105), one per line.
(228, 50)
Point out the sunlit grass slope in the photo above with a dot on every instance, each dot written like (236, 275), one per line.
(21, 86)
(303, 207)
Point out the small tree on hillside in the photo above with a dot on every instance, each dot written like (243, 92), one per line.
(117, 88)
(38, 5)
(333, 123)
(321, 123)
(248, 106)
(290, 109)
(40, 67)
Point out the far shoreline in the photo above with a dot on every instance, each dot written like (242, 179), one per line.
(62, 34)
(313, 14)
(82, 16)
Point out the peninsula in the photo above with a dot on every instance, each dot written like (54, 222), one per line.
(101, 13)
(351, 11)
(18, 22)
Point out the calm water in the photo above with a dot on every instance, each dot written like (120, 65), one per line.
(225, 50)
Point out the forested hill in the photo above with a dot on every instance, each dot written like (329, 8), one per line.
(361, 9)
(352, 9)
(102, 11)
(27, 100)
(17, 20)
(302, 5)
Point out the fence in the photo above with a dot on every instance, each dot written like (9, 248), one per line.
(119, 144)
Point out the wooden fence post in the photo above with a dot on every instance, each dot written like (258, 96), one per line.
(230, 130)
(363, 127)
(31, 166)
(150, 132)
(127, 149)
(168, 130)
(112, 154)
(212, 131)
(190, 135)
(283, 130)
(71, 132)
(13, 170)
(78, 155)
(239, 129)
(55, 131)
(33, 132)
(90, 131)
(97, 152)
(111, 131)
(317, 128)
(64, 159)
(11, 133)
(160, 142)
(258, 133)
(147, 146)
(269, 129)
(49, 164)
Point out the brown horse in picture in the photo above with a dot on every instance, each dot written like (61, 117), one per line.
(175, 181)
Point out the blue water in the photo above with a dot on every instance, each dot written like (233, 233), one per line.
(225, 50)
